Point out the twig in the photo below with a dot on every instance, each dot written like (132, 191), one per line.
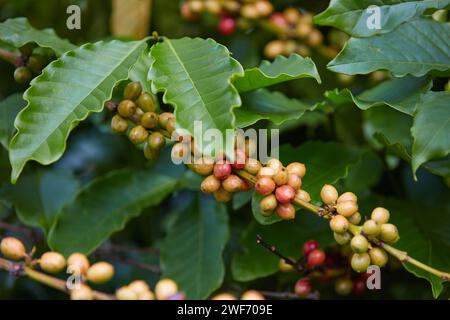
(289, 295)
(14, 59)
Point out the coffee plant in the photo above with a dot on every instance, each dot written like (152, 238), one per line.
(110, 190)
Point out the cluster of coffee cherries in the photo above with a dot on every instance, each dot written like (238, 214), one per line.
(344, 214)
(98, 273)
(138, 108)
(247, 295)
(30, 64)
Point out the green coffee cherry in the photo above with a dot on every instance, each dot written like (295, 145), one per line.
(342, 238)
(343, 286)
(126, 108)
(119, 124)
(355, 218)
(371, 228)
(132, 91)
(360, 262)
(359, 244)
(149, 120)
(150, 153)
(138, 134)
(378, 256)
(156, 140)
(145, 102)
(389, 233)
(36, 63)
(22, 75)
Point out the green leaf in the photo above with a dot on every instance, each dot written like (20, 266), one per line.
(326, 162)
(365, 174)
(195, 76)
(66, 92)
(104, 206)
(18, 32)
(240, 199)
(351, 16)
(274, 106)
(9, 108)
(39, 196)
(280, 70)
(191, 254)
(139, 71)
(431, 129)
(415, 47)
(255, 262)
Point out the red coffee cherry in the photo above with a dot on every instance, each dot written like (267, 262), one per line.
(309, 246)
(245, 185)
(359, 286)
(286, 211)
(227, 25)
(222, 170)
(316, 258)
(285, 194)
(240, 159)
(302, 287)
(265, 186)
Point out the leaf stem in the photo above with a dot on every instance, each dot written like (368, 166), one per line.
(10, 57)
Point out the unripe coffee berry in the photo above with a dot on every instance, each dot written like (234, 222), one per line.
(294, 181)
(297, 168)
(285, 194)
(339, 224)
(164, 118)
(380, 215)
(138, 134)
(389, 233)
(126, 108)
(252, 295)
(150, 153)
(360, 262)
(232, 184)
(264, 186)
(77, 263)
(342, 238)
(179, 151)
(36, 63)
(165, 288)
(222, 170)
(81, 292)
(139, 286)
(316, 258)
(268, 204)
(126, 293)
(119, 124)
(310, 246)
(52, 262)
(22, 75)
(343, 286)
(252, 166)
(371, 228)
(329, 194)
(224, 296)
(355, 218)
(171, 126)
(347, 196)
(210, 184)
(149, 120)
(263, 7)
(100, 272)
(266, 172)
(275, 164)
(12, 248)
(347, 208)
(284, 266)
(285, 211)
(146, 103)
(378, 257)
(148, 295)
(302, 287)
(359, 244)
(246, 186)
(132, 90)
(156, 140)
(281, 178)
(137, 116)
(303, 195)
(204, 166)
(222, 195)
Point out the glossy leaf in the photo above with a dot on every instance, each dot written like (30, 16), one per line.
(192, 252)
(139, 71)
(66, 92)
(104, 206)
(353, 16)
(9, 108)
(415, 47)
(18, 32)
(280, 70)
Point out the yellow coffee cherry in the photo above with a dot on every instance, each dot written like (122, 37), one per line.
(165, 288)
(380, 215)
(149, 120)
(139, 286)
(359, 244)
(126, 293)
(355, 218)
(339, 224)
(329, 194)
(164, 118)
(132, 90)
(252, 166)
(138, 134)
(204, 166)
(285, 267)
(371, 228)
(342, 238)
(389, 233)
(126, 108)
(78, 263)
(12, 248)
(378, 256)
(360, 262)
(296, 168)
(224, 296)
(303, 195)
(252, 295)
(52, 262)
(266, 172)
(148, 295)
(100, 272)
(119, 124)
(347, 196)
(82, 292)
(275, 164)
(346, 208)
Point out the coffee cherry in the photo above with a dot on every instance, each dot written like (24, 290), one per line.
(285, 267)
(329, 194)
(119, 124)
(36, 63)
(149, 120)
(263, 7)
(292, 15)
(339, 224)
(222, 195)
(371, 228)
(246, 186)
(266, 172)
(275, 164)
(148, 295)
(360, 262)
(232, 184)
(281, 178)
(279, 20)
(78, 263)
(171, 126)
(12, 248)
(285, 194)
(150, 153)
(196, 6)
(132, 90)
(252, 166)
(227, 25)
(240, 160)
(100, 272)
(310, 246)
(389, 233)
(359, 286)
(146, 102)
(378, 256)
(294, 181)
(52, 262)
(342, 238)
(126, 293)
(164, 118)
(347, 196)
(268, 204)
(204, 166)
(297, 168)
(285, 211)
(137, 116)
(347, 208)
(186, 12)
(179, 151)
(139, 286)
(380, 215)
(81, 292)
(303, 195)
(359, 244)
(223, 296)
(138, 134)
(165, 288)
(343, 286)
(264, 186)
(156, 140)
(222, 169)
(273, 49)
(316, 258)
(252, 295)
(22, 75)
(355, 218)
(210, 184)
(250, 147)
(302, 287)
(315, 38)
(126, 108)
(27, 49)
